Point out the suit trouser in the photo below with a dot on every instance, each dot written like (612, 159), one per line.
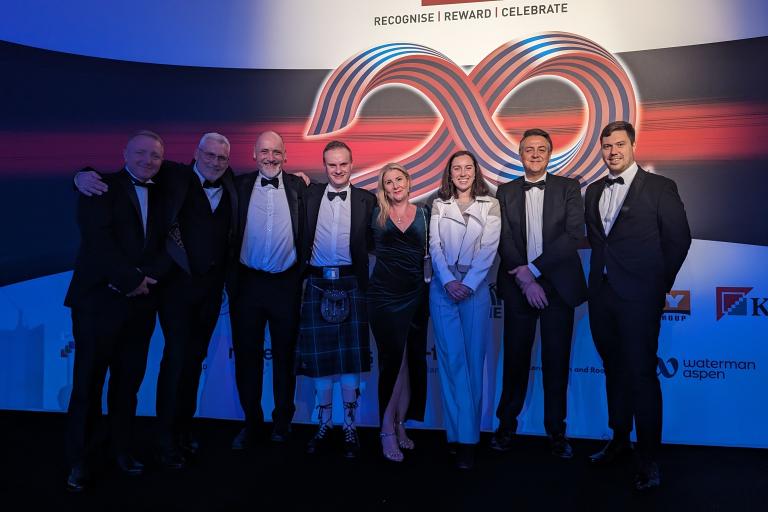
(189, 310)
(461, 337)
(264, 298)
(519, 332)
(626, 335)
(116, 340)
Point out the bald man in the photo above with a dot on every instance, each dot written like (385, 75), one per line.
(265, 288)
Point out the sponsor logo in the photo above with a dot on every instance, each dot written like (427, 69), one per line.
(733, 301)
(667, 369)
(677, 306)
(702, 369)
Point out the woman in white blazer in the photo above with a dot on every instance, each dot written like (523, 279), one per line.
(464, 235)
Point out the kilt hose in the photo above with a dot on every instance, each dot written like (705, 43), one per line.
(326, 348)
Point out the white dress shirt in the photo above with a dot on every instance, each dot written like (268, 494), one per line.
(334, 219)
(613, 197)
(534, 220)
(268, 236)
(214, 194)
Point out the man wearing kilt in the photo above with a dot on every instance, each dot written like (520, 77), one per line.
(334, 324)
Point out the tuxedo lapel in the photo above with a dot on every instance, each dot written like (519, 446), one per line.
(552, 194)
(229, 187)
(314, 197)
(357, 212)
(595, 205)
(130, 191)
(244, 200)
(520, 196)
(293, 205)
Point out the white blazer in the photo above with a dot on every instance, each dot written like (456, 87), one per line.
(472, 244)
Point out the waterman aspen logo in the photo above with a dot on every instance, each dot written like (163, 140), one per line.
(703, 369)
(677, 306)
(733, 301)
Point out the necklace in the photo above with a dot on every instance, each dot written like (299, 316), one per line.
(399, 216)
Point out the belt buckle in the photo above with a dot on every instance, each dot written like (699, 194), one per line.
(331, 273)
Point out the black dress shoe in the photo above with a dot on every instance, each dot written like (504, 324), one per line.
(171, 459)
(242, 440)
(502, 439)
(351, 443)
(453, 448)
(321, 441)
(77, 479)
(188, 444)
(280, 434)
(560, 447)
(648, 478)
(614, 451)
(465, 456)
(129, 466)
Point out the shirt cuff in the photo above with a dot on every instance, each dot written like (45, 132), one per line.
(534, 270)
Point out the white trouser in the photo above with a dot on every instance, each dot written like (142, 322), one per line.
(461, 337)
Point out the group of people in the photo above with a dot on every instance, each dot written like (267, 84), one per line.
(164, 239)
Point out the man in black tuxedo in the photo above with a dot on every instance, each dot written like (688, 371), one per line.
(540, 279)
(201, 212)
(265, 286)
(638, 230)
(114, 305)
(334, 333)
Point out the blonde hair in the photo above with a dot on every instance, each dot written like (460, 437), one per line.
(381, 195)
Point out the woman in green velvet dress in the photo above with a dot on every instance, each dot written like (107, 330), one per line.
(398, 308)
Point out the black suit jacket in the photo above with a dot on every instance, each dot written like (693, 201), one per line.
(562, 229)
(646, 245)
(360, 236)
(177, 181)
(115, 254)
(294, 191)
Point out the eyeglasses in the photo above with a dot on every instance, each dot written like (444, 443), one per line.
(213, 156)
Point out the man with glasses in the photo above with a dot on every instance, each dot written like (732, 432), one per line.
(202, 215)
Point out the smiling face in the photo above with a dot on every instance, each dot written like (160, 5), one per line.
(618, 151)
(269, 154)
(143, 156)
(462, 173)
(396, 186)
(212, 158)
(535, 153)
(338, 167)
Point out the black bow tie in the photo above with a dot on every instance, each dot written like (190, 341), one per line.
(528, 185)
(333, 195)
(145, 184)
(212, 184)
(609, 181)
(270, 181)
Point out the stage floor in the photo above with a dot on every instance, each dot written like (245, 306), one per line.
(33, 474)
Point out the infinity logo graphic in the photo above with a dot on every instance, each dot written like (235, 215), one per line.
(667, 371)
(467, 103)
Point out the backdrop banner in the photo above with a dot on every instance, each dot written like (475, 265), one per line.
(408, 81)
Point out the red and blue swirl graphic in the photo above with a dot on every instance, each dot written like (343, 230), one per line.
(467, 103)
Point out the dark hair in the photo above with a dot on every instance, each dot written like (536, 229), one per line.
(618, 126)
(448, 189)
(336, 144)
(536, 132)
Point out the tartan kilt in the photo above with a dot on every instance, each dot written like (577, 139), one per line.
(326, 348)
